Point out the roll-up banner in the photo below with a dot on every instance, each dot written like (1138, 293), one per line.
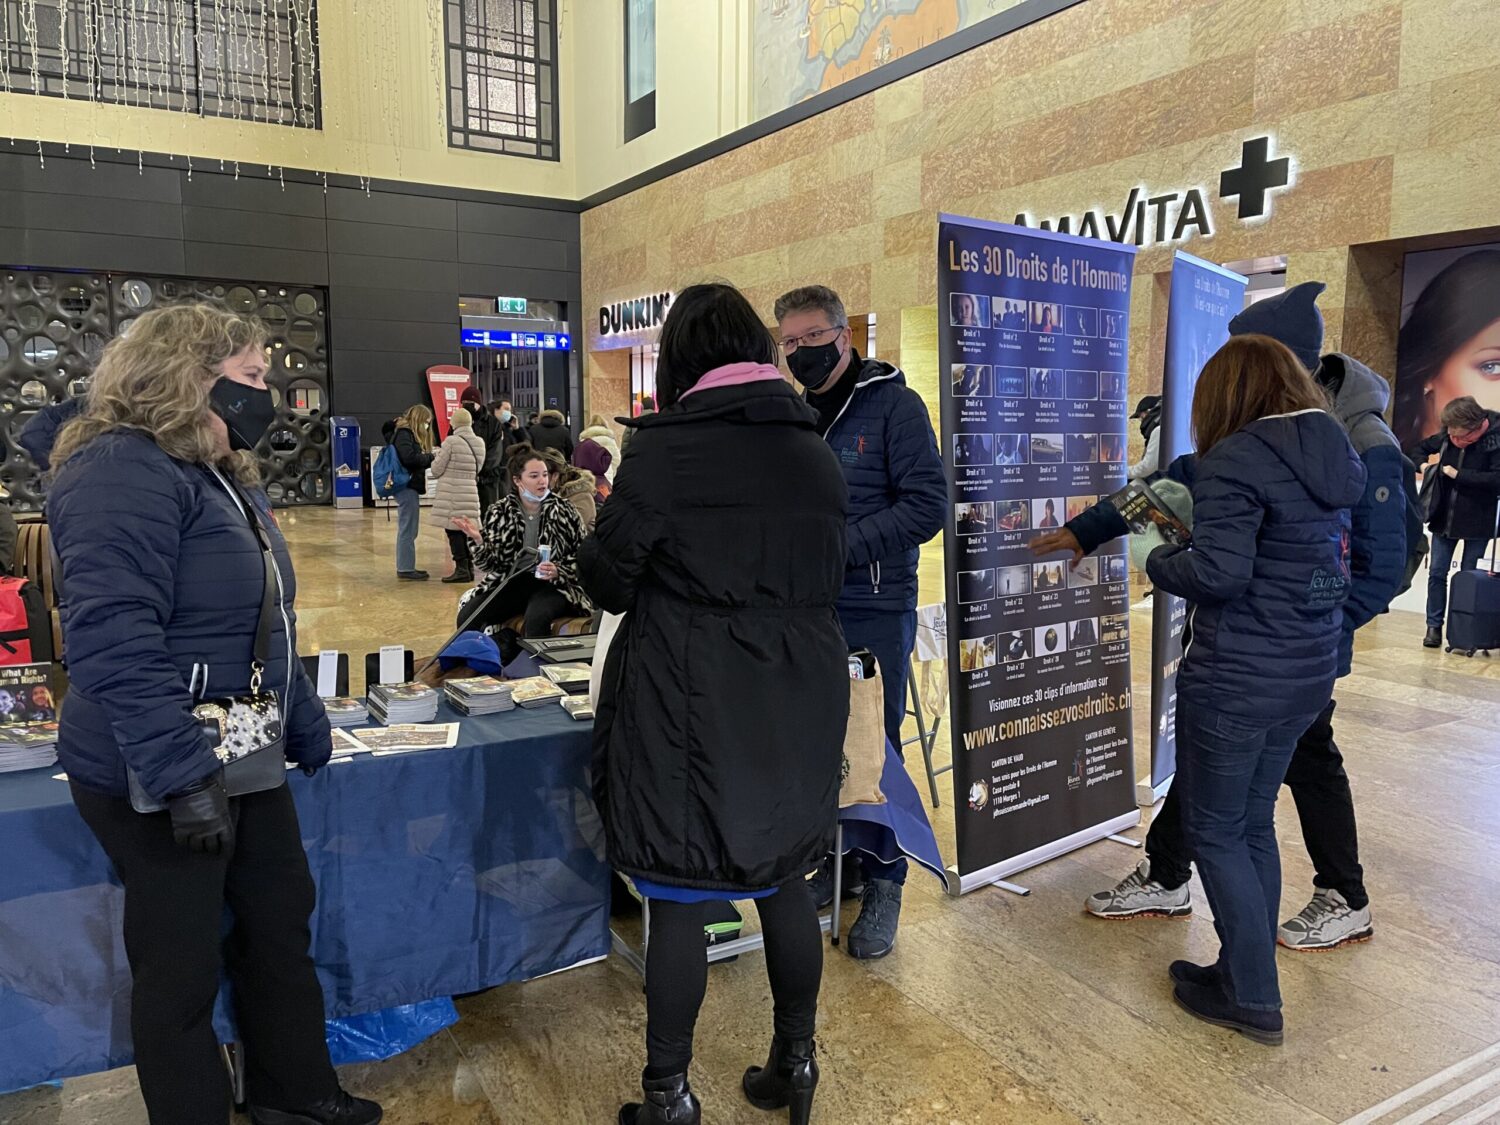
(1033, 340)
(1202, 301)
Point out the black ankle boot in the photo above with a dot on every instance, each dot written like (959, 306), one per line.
(669, 1101)
(1434, 637)
(460, 574)
(788, 1079)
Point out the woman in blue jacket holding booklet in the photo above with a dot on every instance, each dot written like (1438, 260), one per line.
(1267, 573)
(178, 612)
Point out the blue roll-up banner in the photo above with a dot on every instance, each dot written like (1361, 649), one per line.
(1034, 340)
(1203, 299)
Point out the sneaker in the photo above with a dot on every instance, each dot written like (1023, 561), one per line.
(1209, 1004)
(341, 1109)
(1139, 896)
(820, 883)
(1327, 922)
(873, 934)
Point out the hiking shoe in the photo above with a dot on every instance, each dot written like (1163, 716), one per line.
(873, 934)
(820, 883)
(1209, 1004)
(1327, 922)
(1139, 896)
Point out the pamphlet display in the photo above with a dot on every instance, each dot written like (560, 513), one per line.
(1203, 300)
(410, 702)
(1034, 344)
(28, 717)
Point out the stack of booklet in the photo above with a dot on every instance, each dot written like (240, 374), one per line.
(479, 695)
(572, 678)
(538, 691)
(403, 703)
(578, 707)
(27, 746)
(344, 711)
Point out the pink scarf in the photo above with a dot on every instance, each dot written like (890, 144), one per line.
(734, 375)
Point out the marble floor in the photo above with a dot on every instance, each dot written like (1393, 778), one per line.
(995, 1008)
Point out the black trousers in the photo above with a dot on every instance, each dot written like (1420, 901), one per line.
(490, 492)
(541, 603)
(176, 945)
(1325, 806)
(458, 547)
(677, 972)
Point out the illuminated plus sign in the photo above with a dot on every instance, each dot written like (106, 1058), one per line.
(1255, 178)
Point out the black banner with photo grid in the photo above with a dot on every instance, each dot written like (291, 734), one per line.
(1033, 343)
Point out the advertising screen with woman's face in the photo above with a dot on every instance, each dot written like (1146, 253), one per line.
(1450, 336)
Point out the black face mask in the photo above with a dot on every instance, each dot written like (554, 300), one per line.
(247, 411)
(811, 366)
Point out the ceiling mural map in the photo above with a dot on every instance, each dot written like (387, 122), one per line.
(803, 47)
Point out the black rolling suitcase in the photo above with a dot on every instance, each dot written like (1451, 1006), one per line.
(1474, 609)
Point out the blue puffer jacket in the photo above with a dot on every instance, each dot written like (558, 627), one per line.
(898, 491)
(1378, 541)
(163, 577)
(40, 432)
(1268, 569)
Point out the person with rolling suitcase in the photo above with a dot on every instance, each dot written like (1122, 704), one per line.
(1460, 490)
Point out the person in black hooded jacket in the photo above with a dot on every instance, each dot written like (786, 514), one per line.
(551, 432)
(725, 694)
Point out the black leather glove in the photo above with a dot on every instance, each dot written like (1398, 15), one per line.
(200, 817)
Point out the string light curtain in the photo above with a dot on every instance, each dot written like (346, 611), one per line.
(256, 60)
(502, 76)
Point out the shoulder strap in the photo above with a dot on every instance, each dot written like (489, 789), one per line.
(261, 652)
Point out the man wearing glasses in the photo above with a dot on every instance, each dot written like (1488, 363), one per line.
(1460, 499)
(898, 497)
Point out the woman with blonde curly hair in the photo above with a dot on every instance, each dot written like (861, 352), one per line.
(179, 591)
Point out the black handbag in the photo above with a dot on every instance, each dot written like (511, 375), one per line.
(1427, 496)
(246, 731)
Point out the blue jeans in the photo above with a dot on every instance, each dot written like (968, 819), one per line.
(1229, 771)
(891, 637)
(408, 520)
(1437, 577)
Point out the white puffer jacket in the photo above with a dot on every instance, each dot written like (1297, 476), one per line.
(455, 470)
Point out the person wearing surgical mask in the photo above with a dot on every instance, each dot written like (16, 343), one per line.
(158, 519)
(531, 521)
(512, 434)
(898, 499)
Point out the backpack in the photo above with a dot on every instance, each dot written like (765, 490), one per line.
(391, 476)
(25, 627)
(1416, 525)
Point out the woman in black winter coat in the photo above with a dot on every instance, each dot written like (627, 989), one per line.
(725, 695)
(1267, 573)
(1460, 491)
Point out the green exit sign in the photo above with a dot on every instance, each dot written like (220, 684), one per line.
(514, 305)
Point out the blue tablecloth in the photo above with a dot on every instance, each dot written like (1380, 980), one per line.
(438, 872)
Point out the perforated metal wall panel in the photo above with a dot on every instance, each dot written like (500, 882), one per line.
(54, 324)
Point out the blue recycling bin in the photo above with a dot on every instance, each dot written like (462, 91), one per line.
(348, 485)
